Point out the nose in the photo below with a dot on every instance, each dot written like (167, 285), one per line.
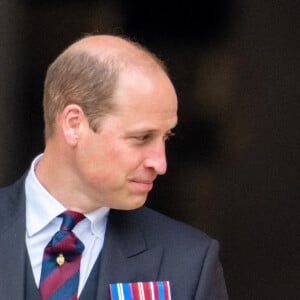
(156, 159)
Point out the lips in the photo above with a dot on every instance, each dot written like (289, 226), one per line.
(142, 185)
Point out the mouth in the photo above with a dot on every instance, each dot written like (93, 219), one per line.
(142, 185)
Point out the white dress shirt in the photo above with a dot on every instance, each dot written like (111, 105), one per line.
(42, 223)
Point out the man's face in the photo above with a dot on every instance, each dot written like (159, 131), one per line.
(118, 164)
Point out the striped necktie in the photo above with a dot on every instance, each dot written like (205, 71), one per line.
(61, 261)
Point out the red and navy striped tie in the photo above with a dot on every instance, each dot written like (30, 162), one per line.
(61, 261)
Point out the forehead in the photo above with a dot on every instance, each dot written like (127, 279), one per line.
(143, 97)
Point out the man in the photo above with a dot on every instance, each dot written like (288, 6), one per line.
(109, 107)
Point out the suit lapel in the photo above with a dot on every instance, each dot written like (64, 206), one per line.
(125, 256)
(12, 241)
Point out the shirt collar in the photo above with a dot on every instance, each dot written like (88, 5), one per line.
(98, 220)
(42, 207)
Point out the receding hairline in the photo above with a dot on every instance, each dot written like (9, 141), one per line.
(126, 52)
(115, 55)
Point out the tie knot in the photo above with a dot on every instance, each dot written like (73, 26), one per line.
(70, 219)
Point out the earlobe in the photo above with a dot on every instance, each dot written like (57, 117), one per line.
(72, 119)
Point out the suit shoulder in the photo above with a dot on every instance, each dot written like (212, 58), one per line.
(10, 196)
(160, 226)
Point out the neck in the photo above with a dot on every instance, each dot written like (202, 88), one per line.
(57, 177)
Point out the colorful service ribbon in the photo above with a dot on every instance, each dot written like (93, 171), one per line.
(152, 290)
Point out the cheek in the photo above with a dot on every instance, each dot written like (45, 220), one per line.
(107, 160)
(123, 161)
(109, 156)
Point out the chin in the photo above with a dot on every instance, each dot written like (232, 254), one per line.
(135, 203)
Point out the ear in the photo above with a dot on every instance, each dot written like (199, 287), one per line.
(72, 121)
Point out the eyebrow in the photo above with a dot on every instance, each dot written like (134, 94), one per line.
(145, 130)
(148, 130)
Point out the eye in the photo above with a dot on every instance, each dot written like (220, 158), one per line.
(142, 138)
(168, 136)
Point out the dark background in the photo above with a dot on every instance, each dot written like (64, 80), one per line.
(233, 166)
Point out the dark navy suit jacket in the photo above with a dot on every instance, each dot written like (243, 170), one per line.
(140, 245)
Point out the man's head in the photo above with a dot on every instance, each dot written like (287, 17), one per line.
(109, 108)
(87, 73)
